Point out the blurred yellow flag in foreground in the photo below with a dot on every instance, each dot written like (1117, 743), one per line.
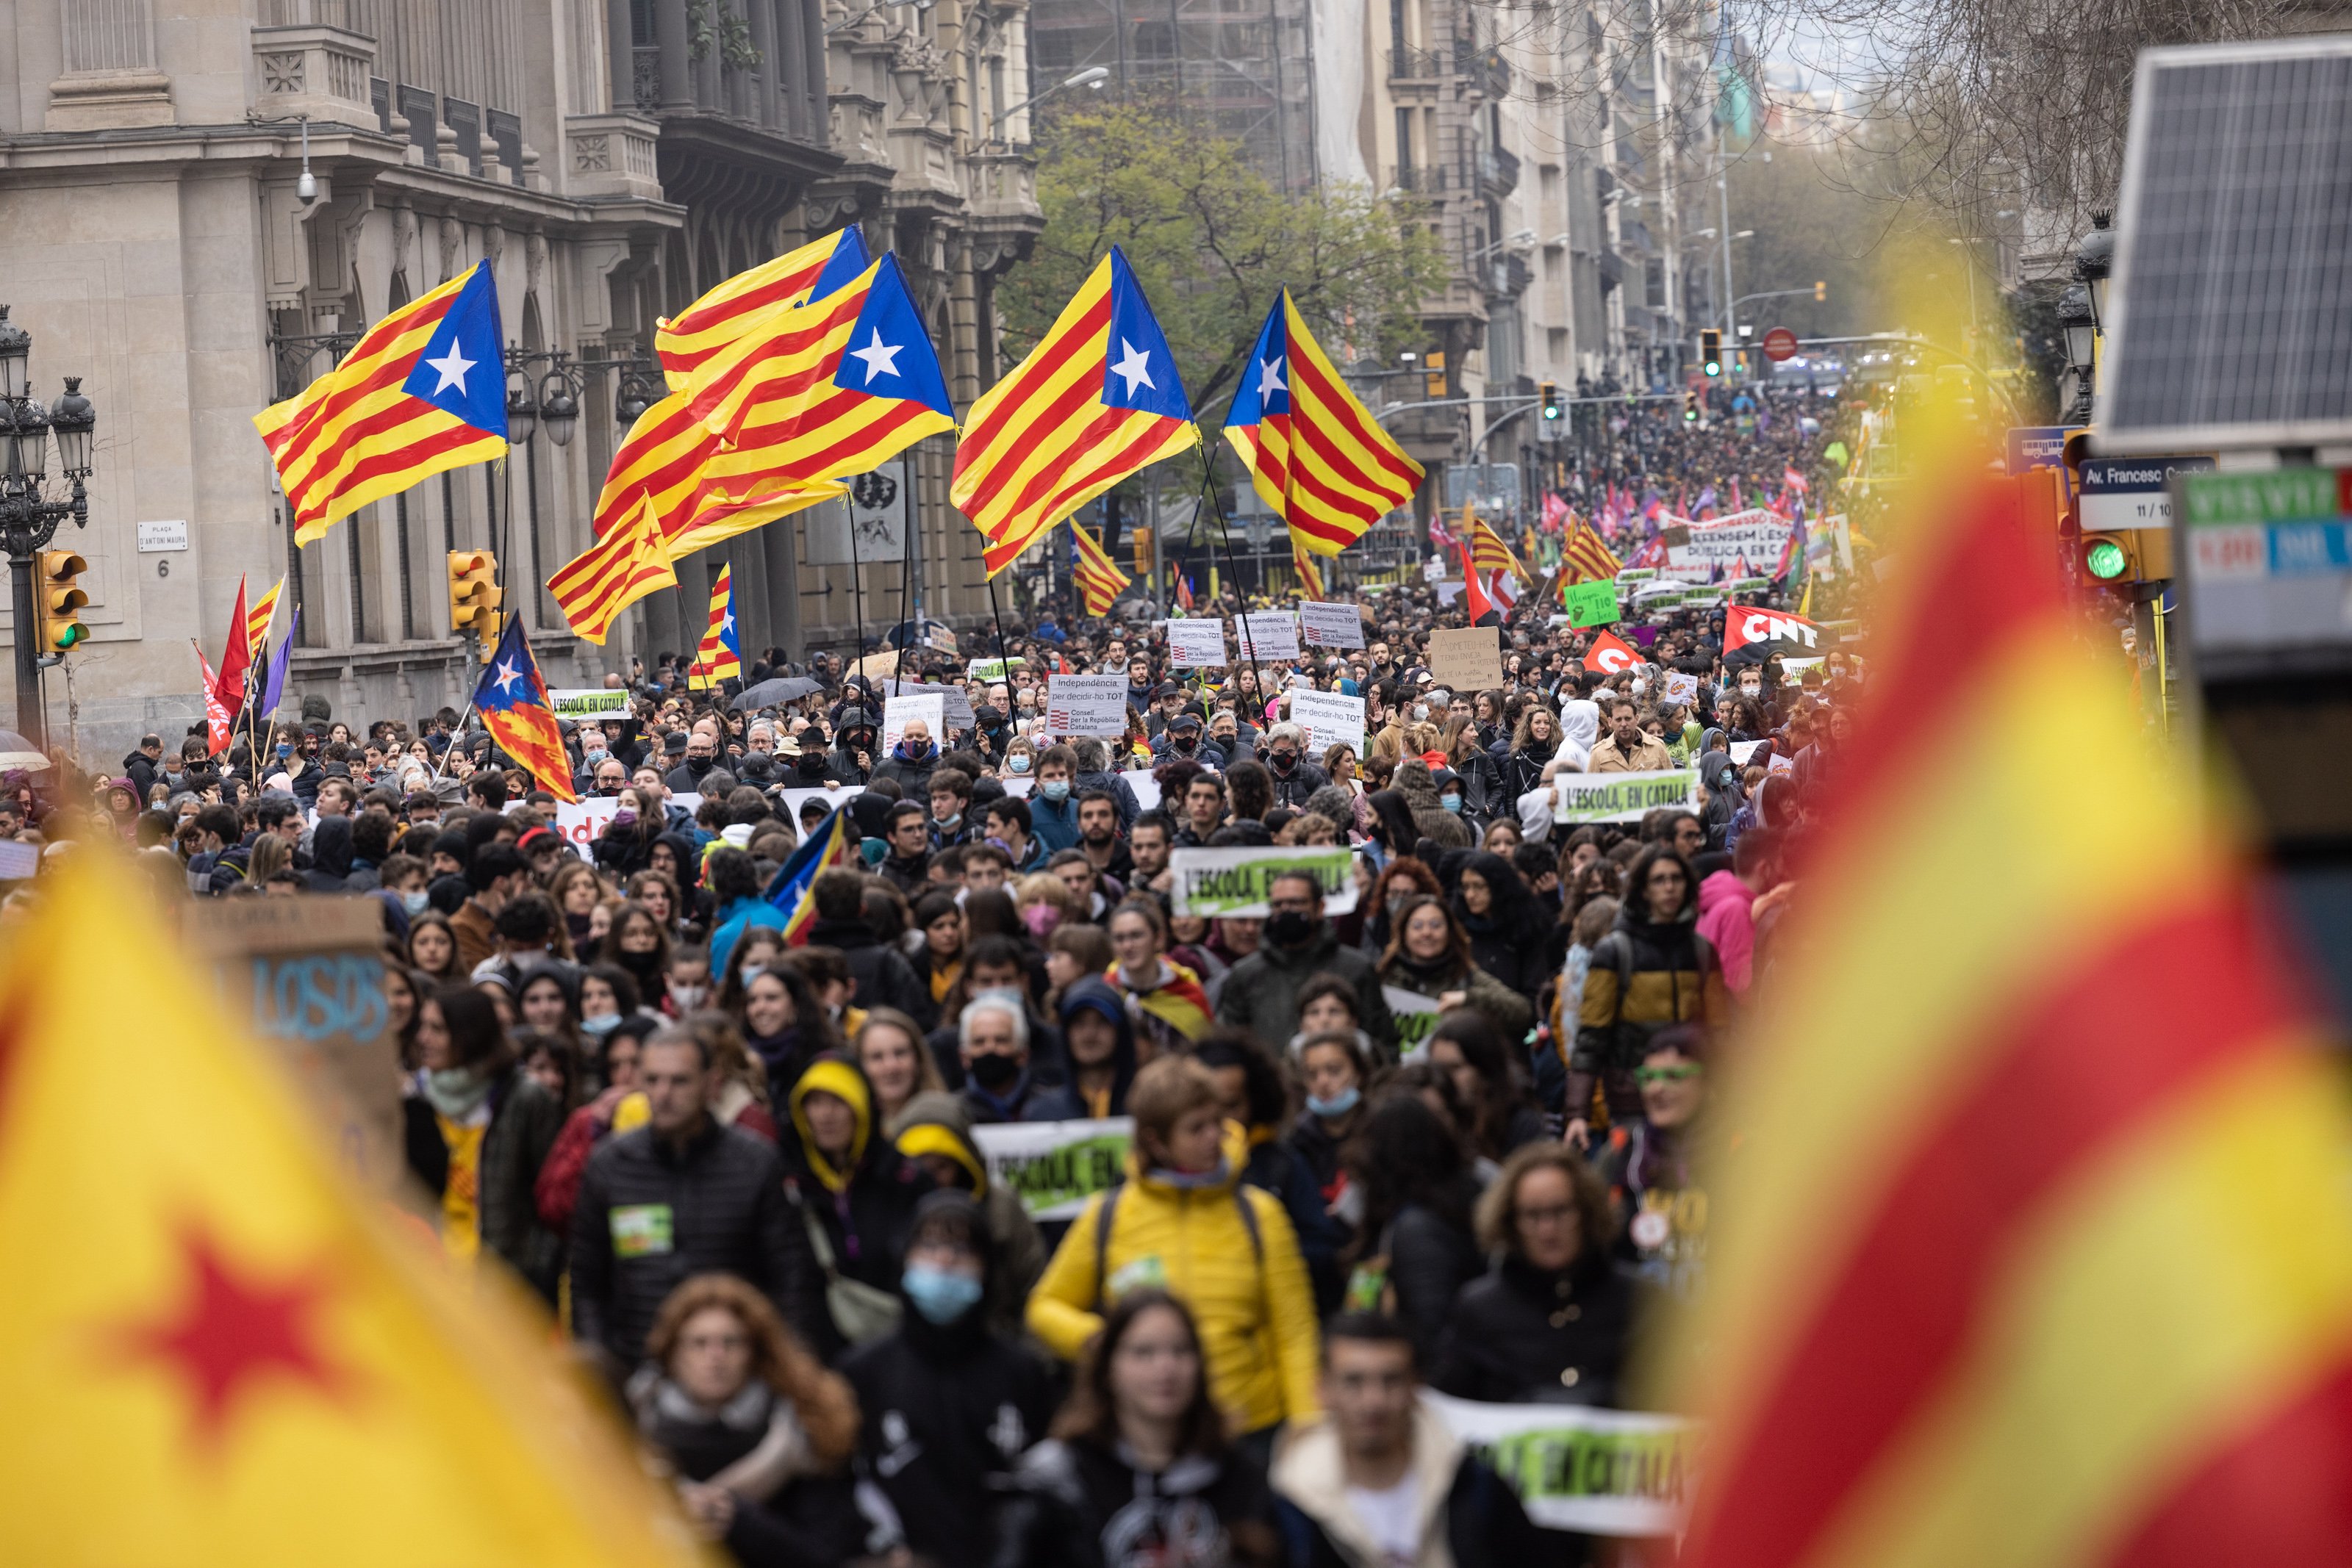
(212, 1348)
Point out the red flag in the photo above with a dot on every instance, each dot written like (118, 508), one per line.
(216, 721)
(1609, 653)
(236, 659)
(1748, 625)
(1474, 602)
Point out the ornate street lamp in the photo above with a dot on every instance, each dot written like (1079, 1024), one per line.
(28, 521)
(2077, 322)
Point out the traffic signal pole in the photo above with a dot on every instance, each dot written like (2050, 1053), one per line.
(30, 720)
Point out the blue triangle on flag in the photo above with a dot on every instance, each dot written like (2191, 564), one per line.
(842, 268)
(889, 353)
(462, 370)
(1139, 368)
(1266, 378)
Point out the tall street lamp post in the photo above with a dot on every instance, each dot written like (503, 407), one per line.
(27, 521)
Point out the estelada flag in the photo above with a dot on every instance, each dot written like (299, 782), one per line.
(1099, 579)
(1610, 654)
(520, 716)
(238, 1357)
(593, 587)
(2042, 1246)
(730, 309)
(1750, 625)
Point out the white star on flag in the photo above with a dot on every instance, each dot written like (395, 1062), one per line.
(1269, 376)
(508, 673)
(1135, 366)
(727, 623)
(881, 359)
(453, 367)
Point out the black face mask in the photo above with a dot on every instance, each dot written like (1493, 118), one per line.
(698, 766)
(1290, 927)
(813, 766)
(1183, 741)
(993, 1070)
(1282, 762)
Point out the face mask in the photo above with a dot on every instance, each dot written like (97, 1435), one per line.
(1289, 927)
(1018, 764)
(284, 751)
(753, 972)
(1041, 919)
(993, 1070)
(1183, 742)
(1452, 803)
(1340, 1104)
(601, 1026)
(813, 767)
(689, 998)
(596, 756)
(1057, 791)
(950, 821)
(1750, 691)
(416, 902)
(624, 818)
(939, 1296)
(1282, 761)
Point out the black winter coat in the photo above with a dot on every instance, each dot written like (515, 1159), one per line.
(1430, 1258)
(650, 1214)
(866, 1224)
(883, 977)
(1080, 1505)
(524, 1122)
(1522, 1336)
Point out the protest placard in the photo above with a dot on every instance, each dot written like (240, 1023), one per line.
(955, 705)
(1269, 635)
(896, 712)
(1329, 718)
(1324, 625)
(1741, 750)
(1589, 603)
(1465, 658)
(588, 701)
(1054, 1166)
(840, 796)
(1620, 797)
(1681, 687)
(1196, 644)
(1234, 881)
(1776, 763)
(582, 822)
(1146, 788)
(1417, 1019)
(993, 669)
(1086, 705)
(1578, 1468)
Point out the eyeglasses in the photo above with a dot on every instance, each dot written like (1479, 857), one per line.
(1677, 1074)
(1555, 1214)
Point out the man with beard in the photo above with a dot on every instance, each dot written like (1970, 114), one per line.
(1098, 837)
(1296, 943)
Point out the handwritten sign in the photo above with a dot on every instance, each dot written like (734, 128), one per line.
(1465, 658)
(900, 711)
(1589, 603)
(1322, 625)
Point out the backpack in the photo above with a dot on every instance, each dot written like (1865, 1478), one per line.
(1106, 1211)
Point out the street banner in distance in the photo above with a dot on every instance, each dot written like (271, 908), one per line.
(1465, 658)
(994, 669)
(1232, 881)
(1268, 634)
(1322, 625)
(931, 709)
(588, 702)
(841, 795)
(1086, 705)
(1750, 627)
(1620, 797)
(1417, 1019)
(1637, 574)
(1589, 603)
(1681, 687)
(1329, 718)
(1581, 1469)
(1197, 644)
(1054, 1166)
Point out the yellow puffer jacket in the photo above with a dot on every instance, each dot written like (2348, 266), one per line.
(1256, 1313)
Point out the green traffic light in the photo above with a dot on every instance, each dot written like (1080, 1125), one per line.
(1714, 367)
(69, 637)
(2105, 559)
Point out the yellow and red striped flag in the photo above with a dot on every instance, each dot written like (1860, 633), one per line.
(721, 656)
(1585, 557)
(2037, 1248)
(1097, 399)
(239, 1356)
(257, 621)
(1311, 579)
(422, 391)
(593, 587)
(663, 462)
(1099, 579)
(724, 313)
(1315, 455)
(1488, 553)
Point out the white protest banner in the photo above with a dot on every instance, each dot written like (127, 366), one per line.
(1447, 592)
(1578, 1468)
(1741, 750)
(581, 822)
(1417, 1019)
(1196, 644)
(1146, 787)
(1056, 1167)
(795, 798)
(1020, 787)
(588, 701)
(897, 712)
(1465, 658)
(1329, 718)
(1755, 535)
(1234, 880)
(955, 705)
(1268, 634)
(1086, 705)
(993, 669)
(1324, 625)
(1681, 688)
(1620, 797)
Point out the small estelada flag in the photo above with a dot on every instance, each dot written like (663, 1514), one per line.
(1610, 654)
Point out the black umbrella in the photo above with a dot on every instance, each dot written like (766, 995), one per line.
(782, 689)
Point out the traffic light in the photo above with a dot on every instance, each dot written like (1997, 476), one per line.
(1433, 380)
(1690, 408)
(475, 596)
(59, 600)
(1710, 351)
(1821, 292)
(1550, 392)
(2127, 555)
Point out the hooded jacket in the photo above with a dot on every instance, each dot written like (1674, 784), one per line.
(1068, 1103)
(1509, 940)
(1645, 975)
(331, 860)
(934, 1123)
(881, 976)
(867, 1205)
(1724, 919)
(1243, 1280)
(1261, 992)
(1414, 780)
(1468, 1518)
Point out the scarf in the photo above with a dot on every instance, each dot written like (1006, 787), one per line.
(455, 1093)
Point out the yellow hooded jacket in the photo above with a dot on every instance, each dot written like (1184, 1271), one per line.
(1251, 1299)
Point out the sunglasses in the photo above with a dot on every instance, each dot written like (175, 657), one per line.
(1677, 1074)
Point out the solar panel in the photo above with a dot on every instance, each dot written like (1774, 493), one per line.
(2230, 312)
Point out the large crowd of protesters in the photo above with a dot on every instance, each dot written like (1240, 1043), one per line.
(740, 1164)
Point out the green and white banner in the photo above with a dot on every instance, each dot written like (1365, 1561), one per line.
(588, 701)
(1620, 797)
(1417, 1019)
(1233, 882)
(1056, 1167)
(1599, 1472)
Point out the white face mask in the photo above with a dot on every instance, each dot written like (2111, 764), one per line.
(689, 998)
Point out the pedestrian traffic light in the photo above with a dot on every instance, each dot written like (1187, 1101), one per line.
(1710, 351)
(474, 595)
(1690, 408)
(1821, 292)
(1550, 392)
(59, 600)
(2127, 555)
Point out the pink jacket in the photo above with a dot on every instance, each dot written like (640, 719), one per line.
(1724, 920)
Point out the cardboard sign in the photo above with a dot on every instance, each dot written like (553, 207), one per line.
(1197, 644)
(588, 702)
(1086, 705)
(1324, 625)
(1590, 604)
(897, 712)
(1146, 788)
(1234, 880)
(1329, 718)
(1465, 658)
(1621, 797)
(1267, 636)
(1054, 1166)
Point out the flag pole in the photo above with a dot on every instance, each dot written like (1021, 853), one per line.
(856, 589)
(907, 580)
(1224, 532)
